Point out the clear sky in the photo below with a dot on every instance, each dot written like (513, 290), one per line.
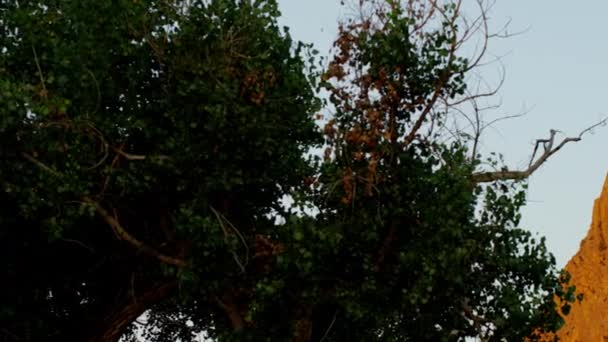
(557, 70)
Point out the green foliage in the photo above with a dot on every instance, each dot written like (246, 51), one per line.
(145, 149)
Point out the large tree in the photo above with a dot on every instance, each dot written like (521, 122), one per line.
(147, 149)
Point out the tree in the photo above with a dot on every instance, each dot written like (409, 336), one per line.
(146, 147)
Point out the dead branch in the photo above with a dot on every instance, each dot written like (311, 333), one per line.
(548, 150)
(490, 92)
(124, 235)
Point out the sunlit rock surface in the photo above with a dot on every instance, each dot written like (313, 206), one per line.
(588, 320)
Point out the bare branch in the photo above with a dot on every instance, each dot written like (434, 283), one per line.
(491, 92)
(130, 156)
(485, 39)
(590, 128)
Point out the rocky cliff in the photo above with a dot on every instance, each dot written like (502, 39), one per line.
(588, 320)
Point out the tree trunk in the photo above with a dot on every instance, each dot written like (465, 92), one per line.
(303, 328)
(115, 324)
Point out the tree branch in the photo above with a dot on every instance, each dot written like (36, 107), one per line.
(123, 234)
(333, 320)
(40, 164)
(228, 304)
(412, 135)
(130, 156)
(549, 150)
(127, 311)
(478, 322)
(443, 78)
(303, 326)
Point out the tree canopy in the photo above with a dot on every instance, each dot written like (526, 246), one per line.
(156, 158)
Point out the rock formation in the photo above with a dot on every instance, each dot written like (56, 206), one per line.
(588, 320)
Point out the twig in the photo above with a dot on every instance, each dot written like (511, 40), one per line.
(329, 328)
(104, 143)
(40, 164)
(222, 220)
(79, 243)
(98, 104)
(130, 156)
(106, 182)
(10, 334)
(133, 288)
(42, 82)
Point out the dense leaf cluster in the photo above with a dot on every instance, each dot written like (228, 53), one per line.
(145, 148)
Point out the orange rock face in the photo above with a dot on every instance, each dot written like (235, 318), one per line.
(588, 320)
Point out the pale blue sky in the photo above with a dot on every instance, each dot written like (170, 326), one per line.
(558, 70)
